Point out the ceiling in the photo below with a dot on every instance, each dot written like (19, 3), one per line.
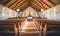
(23, 4)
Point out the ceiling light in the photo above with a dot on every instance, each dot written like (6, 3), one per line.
(18, 10)
(41, 10)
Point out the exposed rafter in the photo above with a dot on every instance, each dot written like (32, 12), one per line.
(47, 3)
(33, 5)
(42, 3)
(6, 2)
(51, 2)
(10, 3)
(20, 4)
(23, 4)
(15, 4)
(22, 7)
(37, 3)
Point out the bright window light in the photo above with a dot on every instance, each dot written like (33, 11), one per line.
(3, 10)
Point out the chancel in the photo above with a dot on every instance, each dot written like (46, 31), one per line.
(29, 17)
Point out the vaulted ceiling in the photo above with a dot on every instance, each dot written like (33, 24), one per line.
(23, 4)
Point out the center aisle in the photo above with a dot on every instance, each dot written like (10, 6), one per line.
(29, 29)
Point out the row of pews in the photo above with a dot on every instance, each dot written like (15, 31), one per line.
(12, 26)
(50, 27)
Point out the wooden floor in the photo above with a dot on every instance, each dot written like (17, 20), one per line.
(29, 29)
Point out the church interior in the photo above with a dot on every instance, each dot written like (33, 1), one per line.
(29, 17)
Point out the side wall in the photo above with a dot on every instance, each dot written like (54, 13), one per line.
(6, 13)
(52, 13)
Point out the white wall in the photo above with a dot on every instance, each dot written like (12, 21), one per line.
(52, 13)
(6, 13)
(30, 10)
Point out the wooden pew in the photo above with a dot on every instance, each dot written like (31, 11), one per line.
(6, 29)
(52, 27)
(45, 30)
(12, 23)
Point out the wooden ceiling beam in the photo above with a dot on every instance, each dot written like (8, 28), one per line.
(47, 3)
(40, 4)
(22, 6)
(10, 3)
(19, 4)
(36, 7)
(43, 4)
(15, 4)
(52, 2)
(6, 2)
(36, 3)
(46, 6)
